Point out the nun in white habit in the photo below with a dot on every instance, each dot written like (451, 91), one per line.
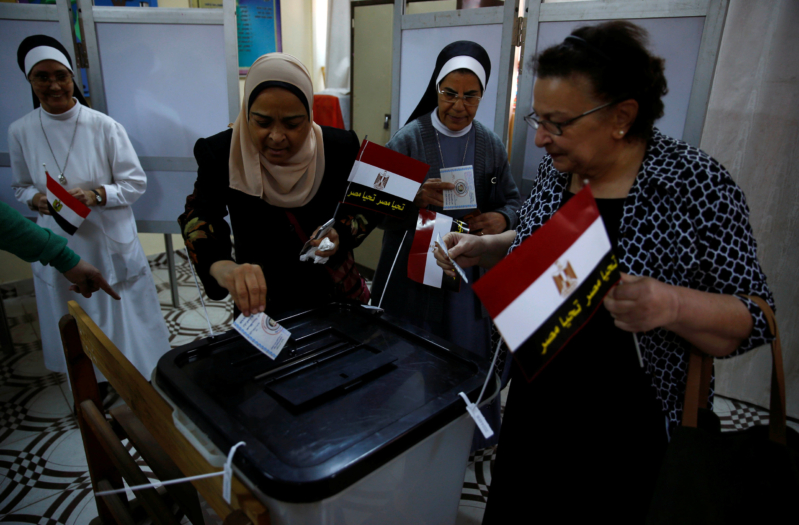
(90, 155)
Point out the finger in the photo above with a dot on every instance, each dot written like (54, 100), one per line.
(261, 280)
(436, 199)
(104, 286)
(253, 291)
(629, 279)
(242, 294)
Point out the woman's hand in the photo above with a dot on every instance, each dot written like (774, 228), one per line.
(432, 193)
(640, 304)
(332, 235)
(715, 323)
(464, 249)
(86, 279)
(245, 283)
(39, 202)
(489, 223)
(88, 197)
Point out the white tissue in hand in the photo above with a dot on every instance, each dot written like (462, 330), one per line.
(326, 245)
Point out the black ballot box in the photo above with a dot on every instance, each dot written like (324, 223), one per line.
(358, 420)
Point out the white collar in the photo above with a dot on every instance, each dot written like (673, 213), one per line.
(444, 130)
(68, 114)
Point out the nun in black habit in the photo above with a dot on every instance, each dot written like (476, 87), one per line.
(443, 133)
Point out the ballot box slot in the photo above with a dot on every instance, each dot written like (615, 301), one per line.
(327, 376)
(297, 347)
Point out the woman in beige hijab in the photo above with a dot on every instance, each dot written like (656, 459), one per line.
(280, 176)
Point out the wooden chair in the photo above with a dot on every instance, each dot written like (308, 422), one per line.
(145, 419)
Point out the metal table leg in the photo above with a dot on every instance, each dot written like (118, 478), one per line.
(173, 279)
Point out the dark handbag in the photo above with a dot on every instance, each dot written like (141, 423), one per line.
(710, 477)
(348, 284)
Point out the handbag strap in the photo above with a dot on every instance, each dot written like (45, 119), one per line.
(700, 367)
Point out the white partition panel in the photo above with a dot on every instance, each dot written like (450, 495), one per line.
(16, 100)
(677, 40)
(165, 197)
(420, 48)
(166, 84)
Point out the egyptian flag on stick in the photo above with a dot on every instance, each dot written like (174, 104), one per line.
(541, 294)
(67, 211)
(384, 180)
(422, 266)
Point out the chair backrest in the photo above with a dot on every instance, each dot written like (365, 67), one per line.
(154, 413)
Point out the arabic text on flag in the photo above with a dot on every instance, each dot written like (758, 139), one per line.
(384, 180)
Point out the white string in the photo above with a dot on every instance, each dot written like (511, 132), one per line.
(197, 284)
(388, 280)
(227, 472)
(160, 483)
(491, 369)
(638, 350)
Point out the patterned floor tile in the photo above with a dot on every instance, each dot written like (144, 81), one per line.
(32, 479)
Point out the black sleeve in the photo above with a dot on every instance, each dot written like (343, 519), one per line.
(203, 225)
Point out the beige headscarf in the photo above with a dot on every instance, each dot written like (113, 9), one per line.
(295, 183)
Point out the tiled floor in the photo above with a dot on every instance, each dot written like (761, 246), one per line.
(43, 474)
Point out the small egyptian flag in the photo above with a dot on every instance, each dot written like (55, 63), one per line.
(541, 294)
(67, 211)
(422, 266)
(384, 180)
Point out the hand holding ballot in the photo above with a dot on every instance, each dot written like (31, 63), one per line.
(332, 236)
(432, 193)
(245, 283)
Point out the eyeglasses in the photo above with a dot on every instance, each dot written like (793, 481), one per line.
(449, 96)
(556, 128)
(63, 79)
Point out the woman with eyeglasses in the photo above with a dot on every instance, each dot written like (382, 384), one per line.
(89, 155)
(442, 132)
(584, 440)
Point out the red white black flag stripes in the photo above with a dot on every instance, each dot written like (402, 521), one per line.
(67, 211)
(384, 180)
(545, 291)
(422, 266)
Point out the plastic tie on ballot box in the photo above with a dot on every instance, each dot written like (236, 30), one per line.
(227, 472)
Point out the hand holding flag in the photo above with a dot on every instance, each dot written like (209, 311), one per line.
(422, 266)
(68, 212)
(549, 287)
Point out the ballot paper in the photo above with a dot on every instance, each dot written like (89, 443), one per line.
(263, 332)
(463, 197)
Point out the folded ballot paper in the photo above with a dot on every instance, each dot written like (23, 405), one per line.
(384, 180)
(263, 332)
(422, 266)
(541, 294)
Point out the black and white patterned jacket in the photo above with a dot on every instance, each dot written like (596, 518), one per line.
(685, 223)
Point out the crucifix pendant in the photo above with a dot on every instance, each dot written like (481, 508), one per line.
(62, 179)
